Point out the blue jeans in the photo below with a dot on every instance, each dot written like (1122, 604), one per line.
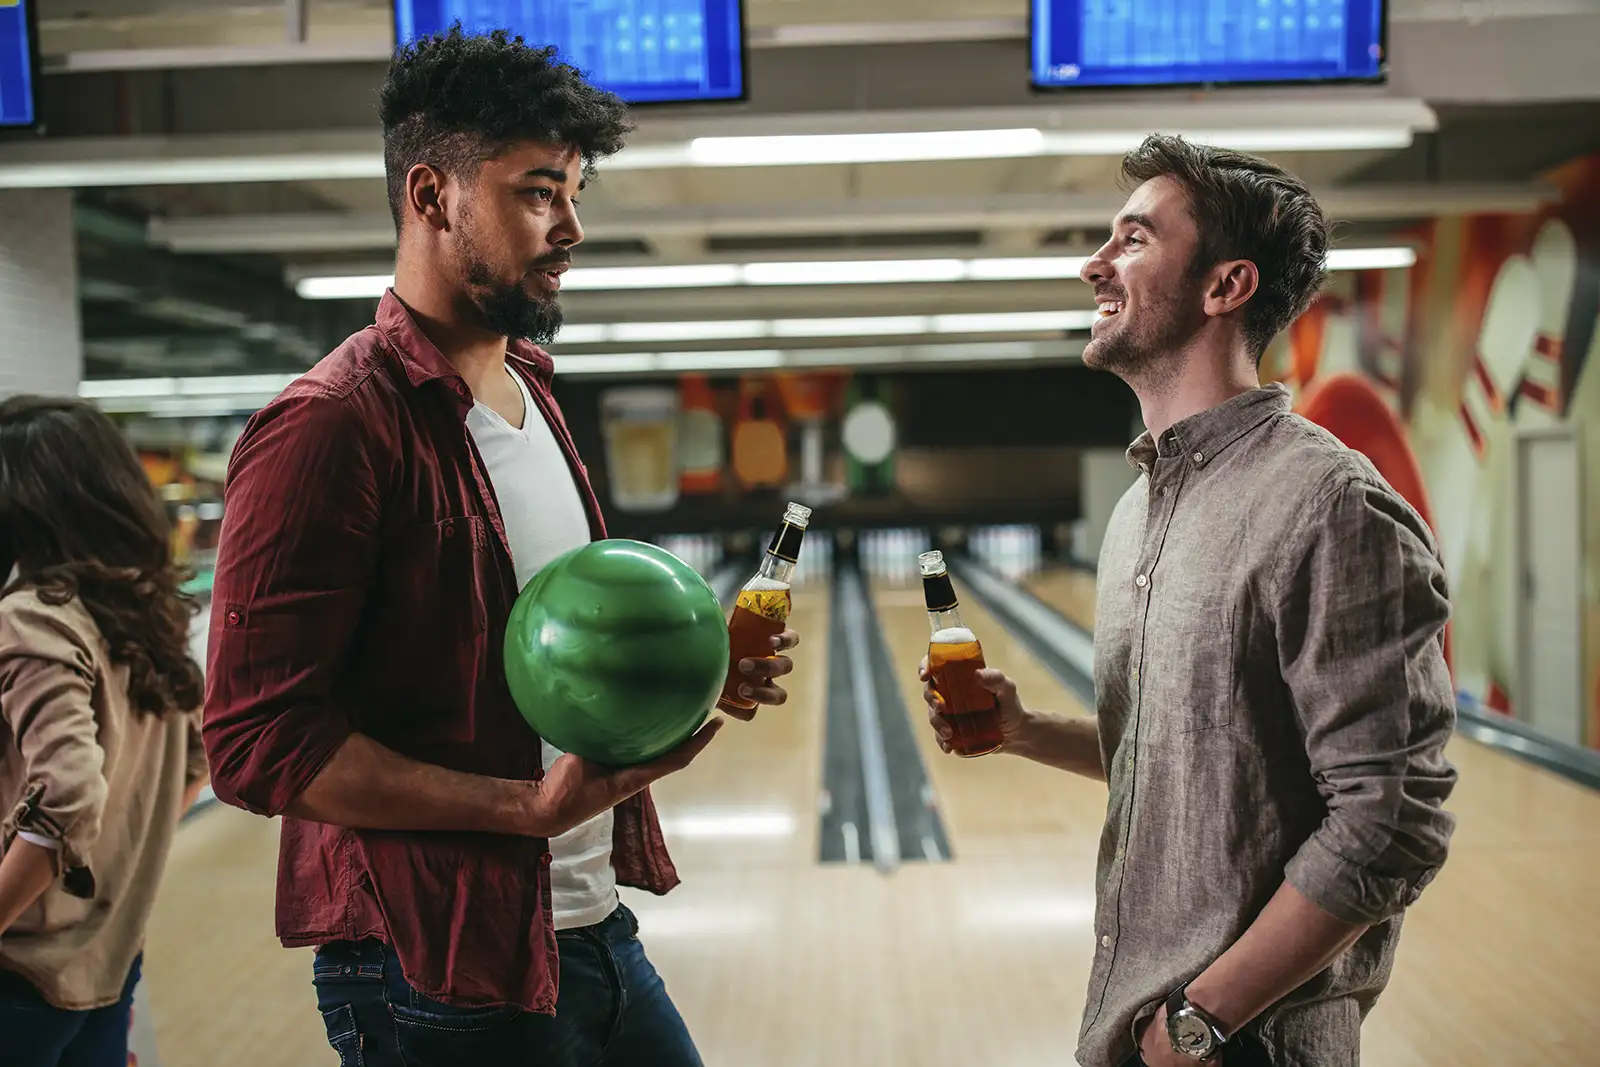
(612, 1011)
(36, 1033)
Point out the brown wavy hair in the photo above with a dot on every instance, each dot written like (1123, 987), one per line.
(80, 518)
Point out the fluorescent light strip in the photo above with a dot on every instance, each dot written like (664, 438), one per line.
(228, 394)
(819, 272)
(1372, 258)
(209, 385)
(758, 151)
(863, 148)
(869, 326)
(633, 332)
(853, 148)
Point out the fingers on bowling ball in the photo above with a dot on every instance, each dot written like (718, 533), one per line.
(685, 753)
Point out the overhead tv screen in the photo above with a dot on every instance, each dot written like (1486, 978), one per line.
(1206, 42)
(19, 72)
(645, 51)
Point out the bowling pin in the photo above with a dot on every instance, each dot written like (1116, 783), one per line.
(1555, 261)
(1539, 403)
(1457, 463)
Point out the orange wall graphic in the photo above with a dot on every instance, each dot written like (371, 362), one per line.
(1466, 379)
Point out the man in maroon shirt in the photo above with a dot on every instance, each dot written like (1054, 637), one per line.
(363, 584)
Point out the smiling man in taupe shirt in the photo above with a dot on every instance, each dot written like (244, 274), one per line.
(1272, 696)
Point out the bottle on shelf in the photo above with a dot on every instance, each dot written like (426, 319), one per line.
(954, 659)
(762, 609)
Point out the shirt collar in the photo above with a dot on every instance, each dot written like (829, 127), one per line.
(422, 360)
(1205, 434)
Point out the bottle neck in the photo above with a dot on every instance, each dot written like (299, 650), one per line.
(949, 619)
(775, 569)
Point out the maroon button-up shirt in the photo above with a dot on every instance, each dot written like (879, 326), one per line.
(363, 585)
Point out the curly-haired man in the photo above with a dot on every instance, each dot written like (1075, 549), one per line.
(381, 516)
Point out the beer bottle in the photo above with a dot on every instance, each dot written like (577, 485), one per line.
(954, 660)
(762, 608)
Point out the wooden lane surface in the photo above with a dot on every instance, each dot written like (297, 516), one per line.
(775, 960)
(1070, 590)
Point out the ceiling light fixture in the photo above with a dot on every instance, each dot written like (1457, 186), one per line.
(236, 394)
(819, 272)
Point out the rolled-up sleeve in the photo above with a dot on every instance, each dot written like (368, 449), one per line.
(1361, 609)
(47, 677)
(296, 555)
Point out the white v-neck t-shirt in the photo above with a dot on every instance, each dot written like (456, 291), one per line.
(544, 517)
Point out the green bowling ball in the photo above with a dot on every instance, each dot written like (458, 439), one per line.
(616, 652)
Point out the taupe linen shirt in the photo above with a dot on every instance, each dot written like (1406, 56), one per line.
(81, 768)
(1273, 704)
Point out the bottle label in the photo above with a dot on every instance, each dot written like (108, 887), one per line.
(938, 592)
(768, 603)
(786, 543)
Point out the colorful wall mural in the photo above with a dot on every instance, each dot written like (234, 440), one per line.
(1468, 380)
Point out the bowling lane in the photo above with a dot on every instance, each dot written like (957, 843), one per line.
(216, 977)
(778, 960)
(992, 805)
(1070, 590)
(1506, 935)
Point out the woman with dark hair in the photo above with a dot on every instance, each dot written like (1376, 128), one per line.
(99, 736)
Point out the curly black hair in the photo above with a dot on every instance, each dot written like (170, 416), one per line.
(456, 99)
(1245, 208)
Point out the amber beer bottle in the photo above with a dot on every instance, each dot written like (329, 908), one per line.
(762, 609)
(954, 660)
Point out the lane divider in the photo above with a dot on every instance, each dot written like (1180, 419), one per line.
(1064, 647)
(882, 831)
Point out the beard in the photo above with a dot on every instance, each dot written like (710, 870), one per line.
(507, 308)
(510, 310)
(1143, 347)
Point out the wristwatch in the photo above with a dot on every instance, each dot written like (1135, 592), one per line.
(1192, 1031)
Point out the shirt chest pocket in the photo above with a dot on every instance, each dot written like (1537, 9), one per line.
(1194, 666)
(431, 619)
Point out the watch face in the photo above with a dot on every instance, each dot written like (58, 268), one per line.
(1191, 1035)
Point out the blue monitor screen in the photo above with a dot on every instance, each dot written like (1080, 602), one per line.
(645, 51)
(1194, 42)
(17, 74)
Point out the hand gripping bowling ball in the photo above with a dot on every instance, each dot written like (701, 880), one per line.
(616, 652)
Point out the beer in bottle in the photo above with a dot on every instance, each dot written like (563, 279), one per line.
(954, 660)
(762, 609)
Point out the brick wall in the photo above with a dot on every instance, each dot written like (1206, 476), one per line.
(41, 343)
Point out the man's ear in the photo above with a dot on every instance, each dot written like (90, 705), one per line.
(1230, 284)
(427, 193)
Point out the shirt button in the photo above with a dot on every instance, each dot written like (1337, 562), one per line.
(1142, 581)
(1199, 457)
(449, 529)
(1105, 941)
(545, 859)
(233, 618)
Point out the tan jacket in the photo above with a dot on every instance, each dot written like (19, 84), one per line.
(80, 766)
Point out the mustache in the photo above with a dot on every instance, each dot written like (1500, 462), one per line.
(554, 259)
(1110, 293)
